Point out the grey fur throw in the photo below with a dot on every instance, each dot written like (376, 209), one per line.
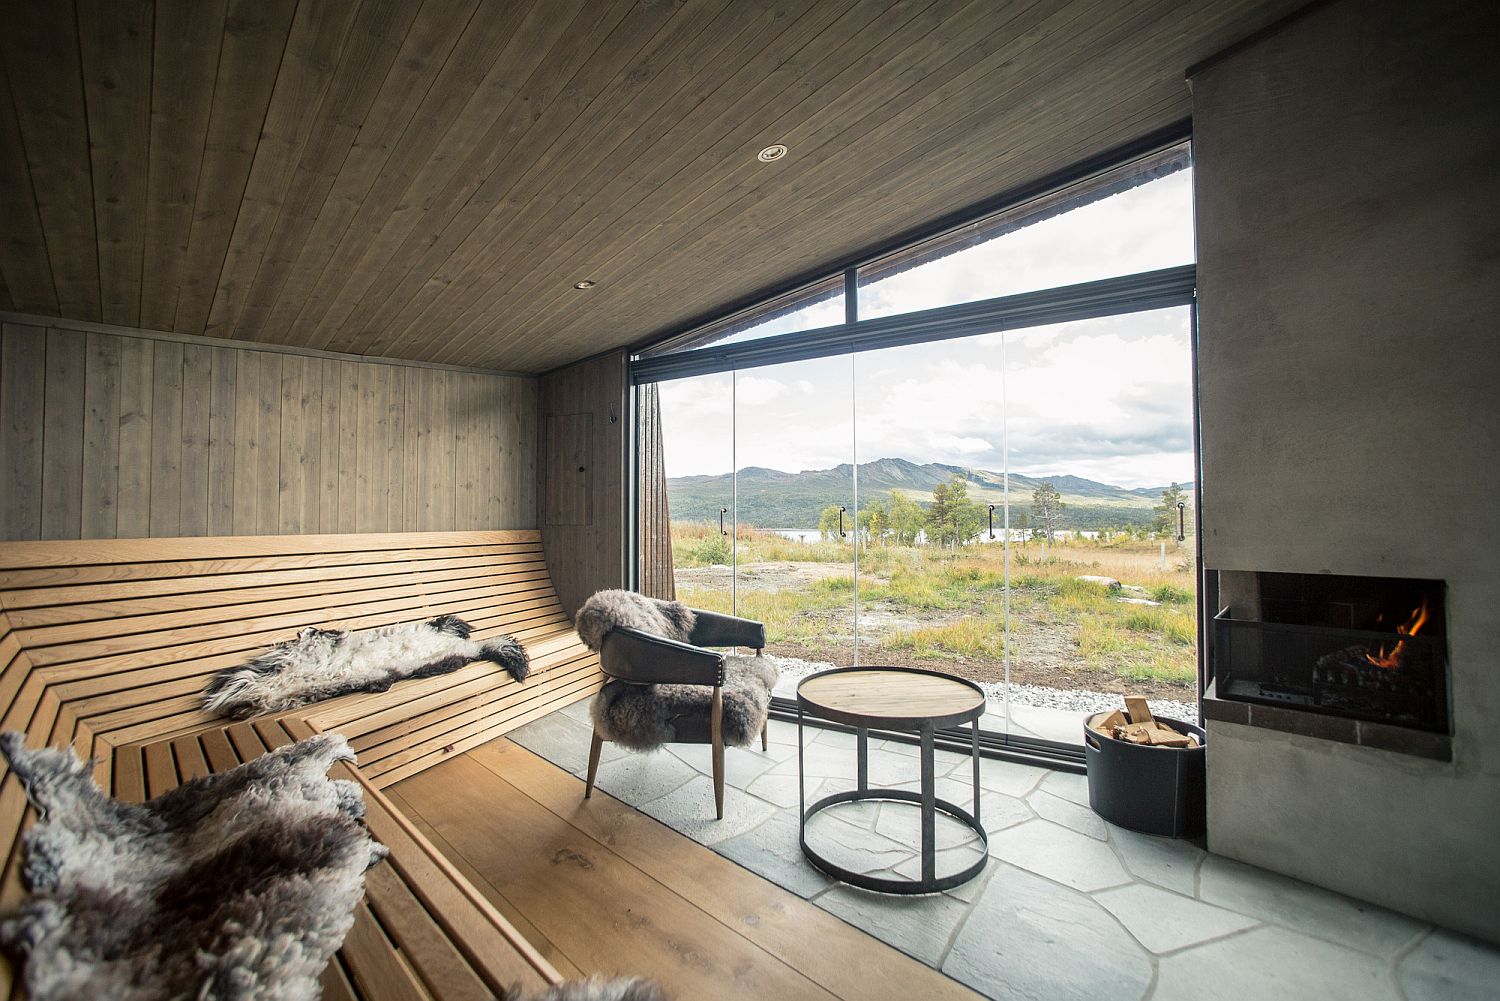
(597, 988)
(607, 610)
(237, 885)
(644, 717)
(323, 663)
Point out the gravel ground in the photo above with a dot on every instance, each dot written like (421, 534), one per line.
(1026, 695)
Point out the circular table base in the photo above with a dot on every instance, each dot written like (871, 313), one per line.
(882, 884)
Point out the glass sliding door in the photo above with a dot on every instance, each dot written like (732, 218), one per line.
(1103, 588)
(686, 490)
(798, 516)
(930, 424)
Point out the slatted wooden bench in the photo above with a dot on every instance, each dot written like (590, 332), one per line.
(106, 646)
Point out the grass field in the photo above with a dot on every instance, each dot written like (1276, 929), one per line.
(944, 608)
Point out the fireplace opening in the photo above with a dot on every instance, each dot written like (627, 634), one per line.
(1367, 648)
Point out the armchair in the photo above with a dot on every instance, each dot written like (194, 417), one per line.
(664, 685)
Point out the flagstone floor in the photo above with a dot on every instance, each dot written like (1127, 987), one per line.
(1067, 907)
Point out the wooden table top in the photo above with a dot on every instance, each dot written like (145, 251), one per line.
(891, 697)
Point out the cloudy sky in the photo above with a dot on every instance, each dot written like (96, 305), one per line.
(1108, 399)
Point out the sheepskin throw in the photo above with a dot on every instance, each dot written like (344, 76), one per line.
(644, 717)
(237, 885)
(607, 610)
(322, 663)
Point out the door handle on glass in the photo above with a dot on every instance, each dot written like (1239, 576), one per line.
(722, 512)
(842, 534)
(992, 521)
(1181, 521)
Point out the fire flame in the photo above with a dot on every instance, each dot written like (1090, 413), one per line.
(1392, 660)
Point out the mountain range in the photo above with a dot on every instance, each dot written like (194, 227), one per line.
(771, 498)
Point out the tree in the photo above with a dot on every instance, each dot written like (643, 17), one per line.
(1022, 522)
(876, 521)
(907, 519)
(1164, 521)
(828, 523)
(953, 517)
(1047, 505)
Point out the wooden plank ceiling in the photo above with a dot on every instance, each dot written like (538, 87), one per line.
(426, 179)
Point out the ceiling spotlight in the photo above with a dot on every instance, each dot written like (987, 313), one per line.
(771, 153)
(586, 283)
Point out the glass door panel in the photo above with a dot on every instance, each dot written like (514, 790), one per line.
(797, 524)
(930, 420)
(686, 435)
(1103, 585)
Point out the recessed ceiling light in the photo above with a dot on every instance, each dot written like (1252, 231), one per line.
(586, 283)
(771, 153)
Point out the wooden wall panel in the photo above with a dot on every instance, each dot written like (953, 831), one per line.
(585, 552)
(129, 434)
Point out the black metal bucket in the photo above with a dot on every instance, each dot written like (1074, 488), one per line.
(1154, 790)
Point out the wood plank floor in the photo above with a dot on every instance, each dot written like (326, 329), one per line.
(600, 887)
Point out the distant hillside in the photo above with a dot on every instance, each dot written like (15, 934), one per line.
(771, 498)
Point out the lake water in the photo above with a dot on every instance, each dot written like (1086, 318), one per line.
(1016, 535)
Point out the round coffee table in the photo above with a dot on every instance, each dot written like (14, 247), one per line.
(896, 699)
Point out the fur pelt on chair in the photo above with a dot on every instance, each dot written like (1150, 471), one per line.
(643, 717)
(236, 885)
(607, 610)
(322, 663)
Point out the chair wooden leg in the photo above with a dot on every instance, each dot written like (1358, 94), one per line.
(594, 749)
(716, 722)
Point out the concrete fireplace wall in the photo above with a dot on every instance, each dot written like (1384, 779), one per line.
(1349, 290)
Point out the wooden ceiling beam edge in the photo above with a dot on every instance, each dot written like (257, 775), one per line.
(266, 347)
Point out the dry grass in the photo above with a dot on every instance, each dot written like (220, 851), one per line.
(960, 593)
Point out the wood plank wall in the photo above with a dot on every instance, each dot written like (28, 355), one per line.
(654, 529)
(119, 435)
(583, 410)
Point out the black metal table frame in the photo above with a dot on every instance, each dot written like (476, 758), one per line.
(927, 799)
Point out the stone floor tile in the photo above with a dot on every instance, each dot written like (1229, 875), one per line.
(639, 777)
(1068, 786)
(742, 765)
(1304, 907)
(1449, 967)
(851, 847)
(946, 862)
(771, 849)
(780, 789)
(901, 821)
(1163, 921)
(1275, 965)
(562, 740)
(689, 809)
(1168, 862)
(1068, 813)
(579, 711)
(1068, 857)
(1010, 778)
(1027, 938)
(781, 732)
(919, 926)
